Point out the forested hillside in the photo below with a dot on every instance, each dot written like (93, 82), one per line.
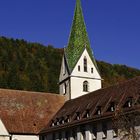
(113, 74)
(29, 66)
(32, 66)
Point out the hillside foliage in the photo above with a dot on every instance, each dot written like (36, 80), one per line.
(32, 66)
(29, 66)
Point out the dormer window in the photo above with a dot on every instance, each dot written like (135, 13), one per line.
(111, 107)
(52, 124)
(98, 111)
(67, 119)
(128, 103)
(85, 86)
(57, 121)
(77, 115)
(62, 120)
(86, 115)
(85, 64)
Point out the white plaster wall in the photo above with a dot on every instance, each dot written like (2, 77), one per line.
(3, 130)
(63, 75)
(25, 137)
(78, 77)
(77, 86)
(63, 72)
(61, 89)
(90, 65)
(4, 138)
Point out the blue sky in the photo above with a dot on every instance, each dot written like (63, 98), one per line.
(113, 25)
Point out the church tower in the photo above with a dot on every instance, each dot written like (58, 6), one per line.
(79, 73)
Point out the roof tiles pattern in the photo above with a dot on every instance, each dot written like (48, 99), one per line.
(117, 94)
(78, 39)
(27, 112)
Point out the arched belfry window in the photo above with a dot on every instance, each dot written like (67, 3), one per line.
(85, 86)
(85, 64)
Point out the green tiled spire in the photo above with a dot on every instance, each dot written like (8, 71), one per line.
(78, 39)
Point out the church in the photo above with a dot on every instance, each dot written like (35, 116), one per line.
(83, 110)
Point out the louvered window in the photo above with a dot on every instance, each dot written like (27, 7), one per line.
(85, 64)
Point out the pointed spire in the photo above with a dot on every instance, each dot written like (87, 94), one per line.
(78, 39)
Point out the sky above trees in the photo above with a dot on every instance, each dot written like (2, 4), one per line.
(113, 25)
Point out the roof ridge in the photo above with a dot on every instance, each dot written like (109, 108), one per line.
(115, 85)
(31, 92)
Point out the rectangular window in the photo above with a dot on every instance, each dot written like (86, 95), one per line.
(98, 110)
(42, 137)
(94, 132)
(53, 136)
(60, 135)
(67, 135)
(85, 68)
(85, 64)
(78, 68)
(85, 86)
(74, 135)
(83, 130)
(91, 70)
(104, 129)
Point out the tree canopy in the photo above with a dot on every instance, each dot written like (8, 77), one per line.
(35, 67)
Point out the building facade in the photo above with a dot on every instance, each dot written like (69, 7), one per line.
(4, 135)
(92, 116)
(78, 63)
(24, 114)
(89, 112)
(83, 110)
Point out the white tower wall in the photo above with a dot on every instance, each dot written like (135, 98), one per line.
(71, 85)
(78, 77)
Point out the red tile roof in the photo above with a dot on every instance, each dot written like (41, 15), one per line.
(102, 98)
(28, 112)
